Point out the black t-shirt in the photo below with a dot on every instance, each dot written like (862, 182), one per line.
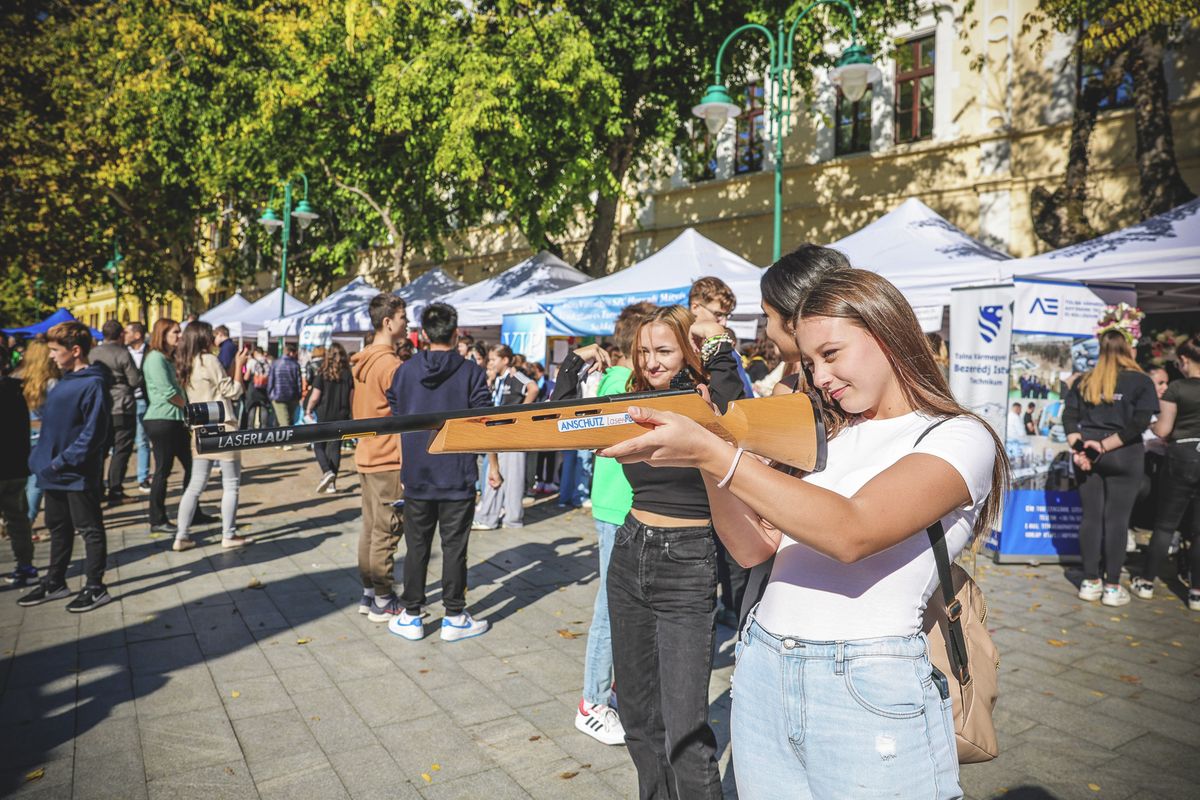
(1185, 394)
(758, 369)
(1134, 395)
(334, 402)
(510, 390)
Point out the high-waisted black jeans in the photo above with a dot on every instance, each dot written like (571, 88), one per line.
(662, 585)
(1108, 493)
(1180, 489)
(169, 441)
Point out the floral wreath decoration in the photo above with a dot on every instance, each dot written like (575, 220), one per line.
(1124, 319)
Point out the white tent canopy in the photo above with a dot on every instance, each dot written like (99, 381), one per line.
(516, 289)
(428, 287)
(922, 253)
(247, 322)
(1162, 250)
(677, 265)
(346, 309)
(222, 313)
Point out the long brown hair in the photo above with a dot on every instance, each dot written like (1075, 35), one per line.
(158, 337)
(678, 319)
(335, 363)
(37, 370)
(872, 303)
(1100, 384)
(197, 339)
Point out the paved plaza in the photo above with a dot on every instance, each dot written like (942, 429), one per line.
(241, 674)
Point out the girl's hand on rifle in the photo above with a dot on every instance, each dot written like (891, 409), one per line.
(673, 441)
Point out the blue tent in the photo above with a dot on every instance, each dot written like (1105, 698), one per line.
(62, 315)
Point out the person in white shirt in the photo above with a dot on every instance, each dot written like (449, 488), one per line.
(834, 693)
(135, 342)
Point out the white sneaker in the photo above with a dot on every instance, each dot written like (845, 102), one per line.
(1091, 590)
(326, 480)
(462, 627)
(407, 627)
(479, 526)
(1115, 596)
(599, 722)
(1131, 544)
(331, 488)
(1194, 601)
(1142, 588)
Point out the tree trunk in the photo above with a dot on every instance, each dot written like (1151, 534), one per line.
(1161, 185)
(183, 256)
(1060, 217)
(594, 260)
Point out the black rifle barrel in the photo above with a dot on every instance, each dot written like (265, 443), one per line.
(211, 439)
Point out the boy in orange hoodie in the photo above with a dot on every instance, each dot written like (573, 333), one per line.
(378, 459)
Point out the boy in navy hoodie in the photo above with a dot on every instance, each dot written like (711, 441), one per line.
(67, 462)
(439, 490)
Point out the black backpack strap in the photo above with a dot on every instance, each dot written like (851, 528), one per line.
(955, 639)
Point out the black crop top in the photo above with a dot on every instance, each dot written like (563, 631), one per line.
(679, 491)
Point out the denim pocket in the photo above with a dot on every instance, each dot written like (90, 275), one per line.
(624, 533)
(696, 550)
(886, 686)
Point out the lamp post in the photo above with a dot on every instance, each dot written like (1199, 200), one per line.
(304, 215)
(853, 73)
(113, 268)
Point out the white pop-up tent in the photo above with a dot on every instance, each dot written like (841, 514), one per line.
(345, 309)
(922, 253)
(428, 287)
(663, 278)
(246, 323)
(222, 313)
(1161, 256)
(516, 289)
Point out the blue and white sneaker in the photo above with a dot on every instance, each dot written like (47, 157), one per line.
(408, 627)
(364, 604)
(386, 612)
(462, 627)
(22, 576)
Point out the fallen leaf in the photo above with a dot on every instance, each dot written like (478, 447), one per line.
(235, 693)
(229, 770)
(303, 641)
(1134, 679)
(566, 634)
(254, 583)
(534, 738)
(423, 671)
(1098, 694)
(1035, 606)
(1114, 619)
(36, 775)
(156, 536)
(558, 613)
(436, 767)
(425, 777)
(566, 776)
(315, 718)
(1095, 787)
(1056, 643)
(1048, 693)
(1135, 644)
(1176, 644)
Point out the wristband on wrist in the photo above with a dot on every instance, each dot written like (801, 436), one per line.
(737, 457)
(712, 344)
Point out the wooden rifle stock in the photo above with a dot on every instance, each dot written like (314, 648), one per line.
(784, 428)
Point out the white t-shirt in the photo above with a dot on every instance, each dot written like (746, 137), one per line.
(813, 596)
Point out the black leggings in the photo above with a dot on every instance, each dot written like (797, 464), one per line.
(1180, 492)
(1108, 493)
(168, 441)
(329, 455)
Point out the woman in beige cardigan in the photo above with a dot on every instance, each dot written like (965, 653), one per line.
(204, 380)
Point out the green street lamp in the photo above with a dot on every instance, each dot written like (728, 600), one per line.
(304, 216)
(854, 72)
(113, 268)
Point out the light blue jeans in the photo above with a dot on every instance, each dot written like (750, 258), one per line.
(575, 481)
(142, 444)
(231, 473)
(862, 719)
(33, 494)
(598, 665)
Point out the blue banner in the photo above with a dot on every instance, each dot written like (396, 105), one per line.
(1038, 525)
(596, 315)
(525, 334)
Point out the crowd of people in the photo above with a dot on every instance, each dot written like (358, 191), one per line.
(690, 529)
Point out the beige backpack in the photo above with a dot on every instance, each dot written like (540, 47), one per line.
(962, 650)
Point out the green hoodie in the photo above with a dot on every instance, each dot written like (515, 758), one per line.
(612, 496)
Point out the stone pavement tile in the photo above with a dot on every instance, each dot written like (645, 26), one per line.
(161, 624)
(218, 628)
(1068, 718)
(164, 655)
(309, 678)
(469, 702)
(556, 720)
(334, 723)
(229, 781)
(352, 661)
(315, 783)
(189, 689)
(551, 670)
(1036, 646)
(32, 741)
(1182, 687)
(99, 737)
(283, 651)
(569, 780)
(1066, 778)
(246, 662)
(276, 745)
(493, 785)
(1178, 758)
(430, 668)
(1180, 726)
(997, 779)
(118, 775)
(55, 783)
(204, 588)
(104, 686)
(259, 695)
(389, 700)
(417, 745)
(102, 628)
(1148, 782)
(521, 749)
(181, 743)
(368, 772)
(1080, 688)
(622, 778)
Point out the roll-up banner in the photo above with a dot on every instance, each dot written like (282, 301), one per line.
(525, 334)
(980, 332)
(1052, 344)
